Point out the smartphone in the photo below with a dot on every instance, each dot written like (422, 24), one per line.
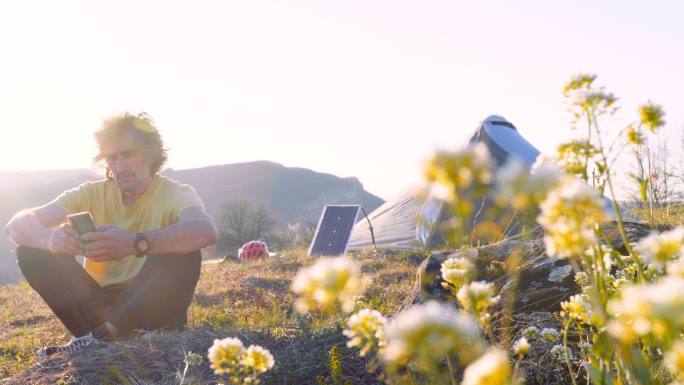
(82, 222)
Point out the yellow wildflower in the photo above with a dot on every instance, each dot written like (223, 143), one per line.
(568, 215)
(257, 360)
(476, 298)
(655, 309)
(577, 82)
(550, 334)
(558, 354)
(573, 157)
(582, 279)
(521, 347)
(426, 333)
(193, 359)
(577, 308)
(225, 355)
(458, 270)
(364, 330)
(531, 332)
(493, 368)
(662, 248)
(635, 136)
(652, 116)
(674, 360)
(329, 285)
(451, 172)
(522, 188)
(230, 359)
(676, 268)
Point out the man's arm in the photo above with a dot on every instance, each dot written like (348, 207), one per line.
(194, 230)
(35, 228)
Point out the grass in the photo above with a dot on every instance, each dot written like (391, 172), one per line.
(663, 216)
(250, 301)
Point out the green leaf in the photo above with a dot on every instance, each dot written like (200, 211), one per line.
(640, 367)
(598, 376)
(604, 346)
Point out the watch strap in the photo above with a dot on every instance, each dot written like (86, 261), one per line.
(139, 252)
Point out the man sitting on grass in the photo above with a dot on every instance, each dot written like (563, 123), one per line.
(143, 261)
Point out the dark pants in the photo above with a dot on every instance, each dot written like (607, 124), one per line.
(157, 297)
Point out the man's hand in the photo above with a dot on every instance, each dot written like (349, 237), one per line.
(64, 240)
(108, 243)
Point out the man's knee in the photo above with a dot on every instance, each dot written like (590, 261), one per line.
(179, 260)
(160, 295)
(31, 259)
(193, 263)
(28, 258)
(171, 270)
(178, 273)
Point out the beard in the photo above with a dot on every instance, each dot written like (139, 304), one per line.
(126, 182)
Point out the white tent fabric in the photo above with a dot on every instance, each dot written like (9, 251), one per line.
(409, 221)
(394, 223)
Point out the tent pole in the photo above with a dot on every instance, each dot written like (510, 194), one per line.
(370, 227)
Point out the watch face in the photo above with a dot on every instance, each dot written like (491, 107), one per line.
(143, 245)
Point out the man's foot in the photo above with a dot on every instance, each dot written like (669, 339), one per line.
(76, 344)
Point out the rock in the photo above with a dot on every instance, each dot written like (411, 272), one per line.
(543, 282)
(559, 273)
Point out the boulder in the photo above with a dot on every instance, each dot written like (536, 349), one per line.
(543, 281)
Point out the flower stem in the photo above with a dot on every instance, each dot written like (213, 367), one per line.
(451, 370)
(565, 352)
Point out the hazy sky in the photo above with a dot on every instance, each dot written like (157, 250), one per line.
(355, 88)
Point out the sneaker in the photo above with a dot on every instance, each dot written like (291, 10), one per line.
(76, 344)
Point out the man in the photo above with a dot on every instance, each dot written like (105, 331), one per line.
(143, 261)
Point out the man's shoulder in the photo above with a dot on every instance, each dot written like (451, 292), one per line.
(78, 198)
(177, 194)
(90, 185)
(173, 185)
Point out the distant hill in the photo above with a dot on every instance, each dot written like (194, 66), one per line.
(292, 194)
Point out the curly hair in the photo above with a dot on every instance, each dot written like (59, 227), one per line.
(144, 131)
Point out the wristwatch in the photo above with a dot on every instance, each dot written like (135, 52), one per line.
(142, 245)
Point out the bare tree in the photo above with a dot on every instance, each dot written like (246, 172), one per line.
(297, 235)
(656, 176)
(678, 171)
(640, 177)
(663, 176)
(242, 221)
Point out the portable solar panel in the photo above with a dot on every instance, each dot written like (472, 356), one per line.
(333, 231)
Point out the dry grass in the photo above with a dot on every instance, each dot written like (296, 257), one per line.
(664, 217)
(250, 301)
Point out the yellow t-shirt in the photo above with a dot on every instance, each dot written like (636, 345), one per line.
(158, 207)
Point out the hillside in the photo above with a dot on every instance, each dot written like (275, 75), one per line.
(292, 194)
(250, 301)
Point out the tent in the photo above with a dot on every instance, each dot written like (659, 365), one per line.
(396, 223)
